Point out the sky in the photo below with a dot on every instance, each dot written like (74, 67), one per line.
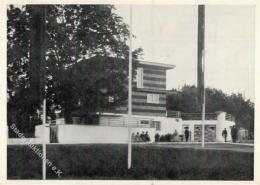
(168, 34)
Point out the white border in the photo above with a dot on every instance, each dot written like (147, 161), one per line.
(3, 135)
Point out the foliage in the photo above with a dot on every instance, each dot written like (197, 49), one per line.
(23, 75)
(72, 34)
(102, 162)
(185, 100)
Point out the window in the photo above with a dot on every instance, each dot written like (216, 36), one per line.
(153, 98)
(111, 99)
(140, 77)
(144, 122)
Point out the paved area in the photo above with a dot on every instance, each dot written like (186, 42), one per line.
(209, 146)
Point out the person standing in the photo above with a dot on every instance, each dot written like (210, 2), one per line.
(234, 133)
(224, 134)
(187, 134)
(147, 137)
(175, 135)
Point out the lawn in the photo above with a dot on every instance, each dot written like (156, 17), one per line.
(149, 162)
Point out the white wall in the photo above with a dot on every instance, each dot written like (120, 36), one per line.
(38, 132)
(91, 134)
(68, 133)
(71, 134)
(169, 125)
(24, 141)
(223, 123)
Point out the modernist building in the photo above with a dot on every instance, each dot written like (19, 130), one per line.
(149, 114)
(148, 97)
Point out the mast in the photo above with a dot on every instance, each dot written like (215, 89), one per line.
(201, 66)
(129, 156)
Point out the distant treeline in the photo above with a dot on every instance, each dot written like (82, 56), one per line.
(185, 100)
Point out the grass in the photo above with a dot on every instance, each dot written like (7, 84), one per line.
(23, 163)
(149, 162)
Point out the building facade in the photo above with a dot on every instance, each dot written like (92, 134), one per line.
(149, 115)
(149, 90)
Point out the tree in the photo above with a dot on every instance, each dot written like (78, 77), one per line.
(77, 33)
(74, 33)
(185, 101)
(24, 62)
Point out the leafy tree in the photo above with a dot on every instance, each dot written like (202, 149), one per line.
(23, 67)
(73, 34)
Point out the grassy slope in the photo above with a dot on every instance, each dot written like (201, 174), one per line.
(110, 162)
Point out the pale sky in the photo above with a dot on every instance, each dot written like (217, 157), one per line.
(168, 34)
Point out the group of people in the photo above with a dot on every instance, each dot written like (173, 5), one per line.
(143, 137)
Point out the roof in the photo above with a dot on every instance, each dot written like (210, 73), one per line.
(160, 65)
(166, 66)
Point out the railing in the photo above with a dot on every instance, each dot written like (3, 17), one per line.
(123, 122)
(197, 116)
(173, 114)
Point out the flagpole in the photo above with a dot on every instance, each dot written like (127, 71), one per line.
(43, 142)
(201, 67)
(204, 91)
(130, 95)
(203, 104)
(43, 9)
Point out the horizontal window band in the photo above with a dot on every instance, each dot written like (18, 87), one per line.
(155, 79)
(145, 97)
(153, 82)
(149, 104)
(145, 93)
(154, 85)
(155, 76)
(157, 72)
(162, 102)
(149, 114)
(150, 91)
(149, 111)
(149, 107)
